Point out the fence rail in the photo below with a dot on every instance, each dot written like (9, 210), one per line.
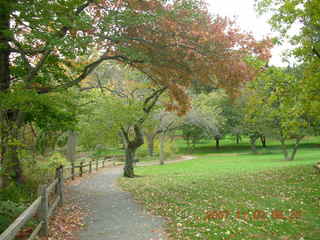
(42, 207)
(84, 167)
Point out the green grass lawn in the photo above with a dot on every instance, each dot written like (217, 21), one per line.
(233, 194)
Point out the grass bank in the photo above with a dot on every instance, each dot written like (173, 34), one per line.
(233, 194)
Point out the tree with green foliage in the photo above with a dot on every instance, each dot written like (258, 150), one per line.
(252, 125)
(37, 128)
(160, 123)
(233, 114)
(208, 114)
(192, 134)
(294, 14)
(275, 107)
(119, 109)
(301, 16)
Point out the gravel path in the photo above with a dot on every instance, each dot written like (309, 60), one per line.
(113, 214)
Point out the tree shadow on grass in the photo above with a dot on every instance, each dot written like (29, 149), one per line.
(244, 149)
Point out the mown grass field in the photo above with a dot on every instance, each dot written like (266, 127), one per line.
(233, 194)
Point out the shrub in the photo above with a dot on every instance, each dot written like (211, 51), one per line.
(17, 193)
(13, 201)
(9, 211)
(99, 153)
(142, 152)
(43, 170)
(14, 198)
(102, 151)
(169, 149)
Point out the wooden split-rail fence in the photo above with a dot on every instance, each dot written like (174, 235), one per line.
(49, 197)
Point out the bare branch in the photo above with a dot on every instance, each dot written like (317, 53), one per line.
(138, 140)
(153, 98)
(115, 92)
(99, 83)
(125, 134)
(34, 71)
(88, 88)
(87, 70)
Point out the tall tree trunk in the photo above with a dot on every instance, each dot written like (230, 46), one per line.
(238, 138)
(4, 46)
(150, 143)
(71, 146)
(263, 141)
(131, 147)
(284, 149)
(295, 148)
(11, 165)
(11, 161)
(162, 153)
(253, 140)
(14, 165)
(9, 125)
(2, 147)
(128, 170)
(4, 80)
(188, 143)
(1, 182)
(217, 142)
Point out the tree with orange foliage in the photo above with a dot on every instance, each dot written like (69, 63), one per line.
(173, 42)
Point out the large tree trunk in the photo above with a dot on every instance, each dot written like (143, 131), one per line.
(2, 147)
(238, 138)
(295, 148)
(253, 140)
(150, 142)
(15, 165)
(188, 143)
(4, 79)
(263, 141)
(162, 153)
(217, 139)
(12, 137)
(1, 182)
(4, 46)
(10, 120)
(128, 167)
(284, 149)
(131, 147)
(11, 165)
(71, 146)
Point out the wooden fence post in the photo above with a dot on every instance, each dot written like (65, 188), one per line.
(43, 210)
(60, 185)
(72, 170)
(81, 169)
(90, 166)
(56, 188)
(97, 164)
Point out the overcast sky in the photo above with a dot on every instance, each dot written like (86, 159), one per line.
(248, 20)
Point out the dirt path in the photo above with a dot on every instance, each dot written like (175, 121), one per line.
(112, 213)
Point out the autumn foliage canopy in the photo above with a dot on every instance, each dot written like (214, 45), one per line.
(173, 42)
(179, 42)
